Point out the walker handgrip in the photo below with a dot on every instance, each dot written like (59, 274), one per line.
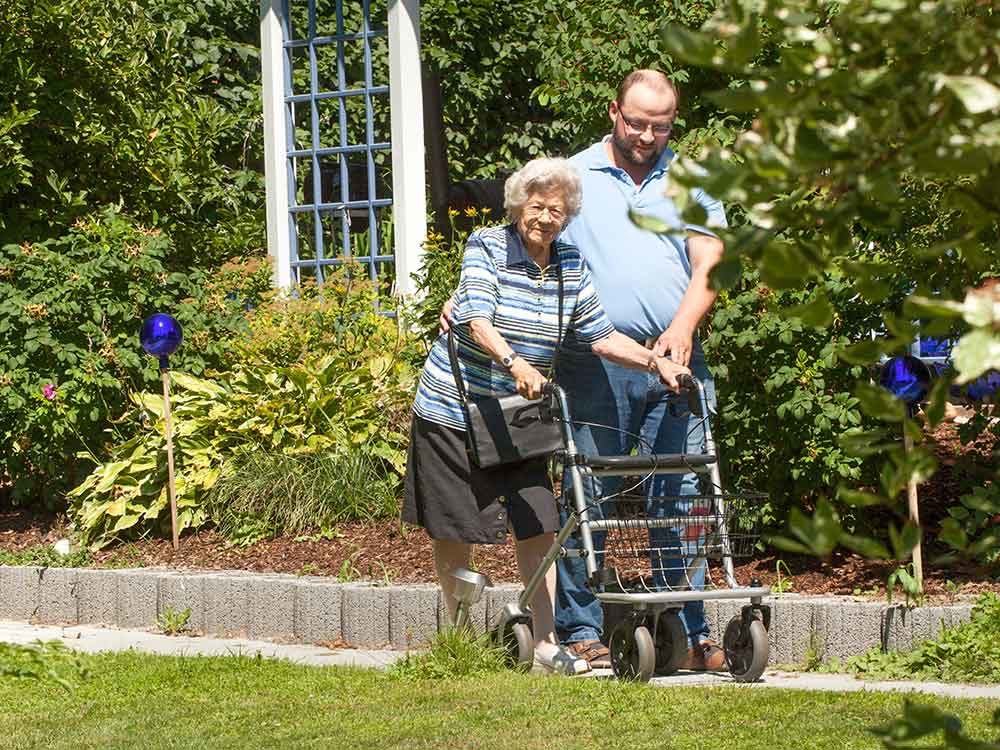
(687, 382)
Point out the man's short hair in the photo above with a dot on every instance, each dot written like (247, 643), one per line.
(650, 77)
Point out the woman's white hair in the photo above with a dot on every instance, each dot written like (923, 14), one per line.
(541, 176)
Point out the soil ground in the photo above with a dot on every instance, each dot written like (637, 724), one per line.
(389, 551)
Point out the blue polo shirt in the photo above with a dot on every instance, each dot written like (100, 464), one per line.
(640, 276)
(502, 284)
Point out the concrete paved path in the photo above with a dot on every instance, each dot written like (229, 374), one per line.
(92, 639)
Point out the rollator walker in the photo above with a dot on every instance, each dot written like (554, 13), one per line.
(653, 547)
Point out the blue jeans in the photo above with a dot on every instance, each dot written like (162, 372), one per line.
(630, 401)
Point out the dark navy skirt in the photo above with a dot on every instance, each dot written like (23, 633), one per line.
(456, 501)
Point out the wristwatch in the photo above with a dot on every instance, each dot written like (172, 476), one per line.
(508, 361)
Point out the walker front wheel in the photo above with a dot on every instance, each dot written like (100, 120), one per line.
(671, 643)
(519, 644)
(746, 649)
(633, 654)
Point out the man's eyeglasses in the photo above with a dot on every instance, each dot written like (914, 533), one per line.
(638, 126)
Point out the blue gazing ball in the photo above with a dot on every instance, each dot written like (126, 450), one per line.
(906, 377)
(160, 335)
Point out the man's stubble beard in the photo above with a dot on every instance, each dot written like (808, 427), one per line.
(626, 149)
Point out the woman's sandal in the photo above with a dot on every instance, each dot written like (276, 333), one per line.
(594, 652)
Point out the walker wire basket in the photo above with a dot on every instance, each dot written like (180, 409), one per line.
(654, 544)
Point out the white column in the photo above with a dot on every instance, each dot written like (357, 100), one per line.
(272, 63)
(409, 198)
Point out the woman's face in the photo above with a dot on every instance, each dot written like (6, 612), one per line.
(542, 218)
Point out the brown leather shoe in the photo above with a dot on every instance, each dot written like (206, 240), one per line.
(707, 656)
(596, 653)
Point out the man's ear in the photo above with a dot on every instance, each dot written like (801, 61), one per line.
(613, 110)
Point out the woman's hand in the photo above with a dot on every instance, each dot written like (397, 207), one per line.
(669, 372)
(529, 380)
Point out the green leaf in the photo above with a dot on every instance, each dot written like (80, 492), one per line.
(690, 46)
(865, 546)
(879, 403)
(196, 385)
(976, 353)
(864, 352)
(904, 541)
(817, 313)
(859, 498)
(976, 94)
(651, 223)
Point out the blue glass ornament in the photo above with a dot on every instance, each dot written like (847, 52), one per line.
(906, 377)
(985, 387)
(160, 336)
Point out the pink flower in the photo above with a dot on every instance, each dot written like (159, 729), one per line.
(49, 391)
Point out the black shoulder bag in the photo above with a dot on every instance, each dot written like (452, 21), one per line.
(507, 429)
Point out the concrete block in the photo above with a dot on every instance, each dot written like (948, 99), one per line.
(96, 596)
(318, 607)
(715, 628)
(57, 596)
(957, 614)
(183, 591)
(137, 598)
(497, 597)
(365, 615)
(862, 627)
(897, 624)
(935, 620)
(272, 607)
(799, 639)
(227, 610)
(19, 589)
(923, 624)
(413, 615)
(839, 641)
(818, 634)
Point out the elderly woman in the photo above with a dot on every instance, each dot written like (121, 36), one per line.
(507, 325)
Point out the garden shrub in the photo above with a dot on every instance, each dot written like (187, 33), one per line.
(784, 397)
(70, 313)
(265, 493)
(150, 105)
(347, 400)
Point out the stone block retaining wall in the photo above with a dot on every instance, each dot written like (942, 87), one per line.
(308, 609)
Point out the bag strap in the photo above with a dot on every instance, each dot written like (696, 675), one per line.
(453, 348)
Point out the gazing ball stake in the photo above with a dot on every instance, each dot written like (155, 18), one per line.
(160, 336)
(909, 379)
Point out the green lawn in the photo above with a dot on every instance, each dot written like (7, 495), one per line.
(137, 701)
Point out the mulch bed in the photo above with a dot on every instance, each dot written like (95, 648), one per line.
(389, 551)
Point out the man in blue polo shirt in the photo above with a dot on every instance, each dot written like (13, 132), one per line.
(655, 288)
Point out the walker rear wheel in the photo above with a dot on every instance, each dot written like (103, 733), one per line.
(633, 654)
(519, 644)
(671, 643)
(746, 649)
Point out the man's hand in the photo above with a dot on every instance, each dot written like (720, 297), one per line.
(529, 380)
(669, 372)
(677, 343)
(444, 321)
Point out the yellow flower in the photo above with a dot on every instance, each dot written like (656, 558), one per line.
(471, 211)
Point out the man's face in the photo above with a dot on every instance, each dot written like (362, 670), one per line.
(642, 123)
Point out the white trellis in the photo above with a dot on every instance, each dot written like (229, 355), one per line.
(281, 154)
